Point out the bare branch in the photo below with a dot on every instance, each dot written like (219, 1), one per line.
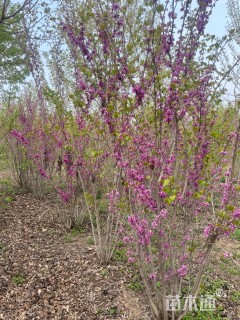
(4, 15)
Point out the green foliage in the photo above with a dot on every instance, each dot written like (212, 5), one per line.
(136, 284)
(236, 255)
(70, 237)
(203, 315)
(3, 161)
(234, 271)
(6, 192)
(235, 296)
(112, 311)
(4, 150)
(104, 272)
(13, 68)
(3, 248)
(18, 279)
(75, 232)
(236, 234)
(209, 287)
(67, 238)
(119, 255)
(54, 98)
(90, 241)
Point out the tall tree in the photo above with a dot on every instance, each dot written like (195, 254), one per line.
(13, 69)
(12, 65)
(9, 12)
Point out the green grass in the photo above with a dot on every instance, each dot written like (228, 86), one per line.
(236, 255)
(203, 315)
(136, 284)
(90, 241)
(210, 286)
(7, 192)
(51, 231)
(235, 296)
(3, 248)
(234, 271)
(104, 272)
(69, 237)
(75, 232)
(18, 279)
(119, 255)
(236, 234)
(4, 163)
(112, 311)
(226, 266)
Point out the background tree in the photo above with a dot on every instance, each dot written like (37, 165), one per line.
(231, 54)
(12, 58)
(9, 11)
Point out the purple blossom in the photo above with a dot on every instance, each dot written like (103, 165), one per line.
(182, 271)
(113, 195)
(142, 229)
(236, 214)
(71, 171)
(64, 195)
(19, 136)
(131, 260)
(207, 230)
(81, 84)
(36, 156)
(162, 194)
(115, 6)
(227, 254)
(67, 159)
(152, 276)
(140, 93)
(184, 257)
(43, 173)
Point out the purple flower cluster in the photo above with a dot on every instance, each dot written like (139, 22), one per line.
(19, 136)
(142, 229)
(140, 93)
(64, 195)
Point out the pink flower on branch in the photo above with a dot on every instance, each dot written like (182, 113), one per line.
(207, 230)
(236, 214)
(19, 136)
(64, 195)
(182, 271)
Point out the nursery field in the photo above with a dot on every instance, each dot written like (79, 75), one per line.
(119, 160)
(48, 272)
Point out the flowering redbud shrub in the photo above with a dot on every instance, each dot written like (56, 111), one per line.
(80, 165)
(177, 175)
(100, 180)
(31, 144)
(90, 181)
(21, 164)
(178, 211)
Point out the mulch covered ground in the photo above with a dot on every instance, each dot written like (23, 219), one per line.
(47, 274)
(43, 276)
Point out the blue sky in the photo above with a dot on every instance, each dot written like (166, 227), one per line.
(217, 26)
(218, 20)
